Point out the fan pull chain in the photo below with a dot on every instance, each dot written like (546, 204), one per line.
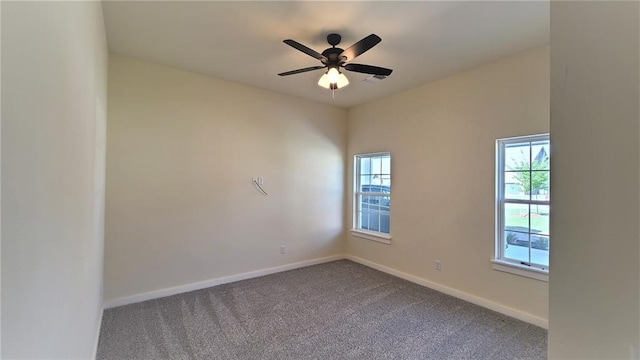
(333, 95)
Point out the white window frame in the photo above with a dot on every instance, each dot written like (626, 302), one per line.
(356, 230)
(531, 270)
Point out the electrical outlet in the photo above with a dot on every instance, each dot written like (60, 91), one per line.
(282, 249)
(438, 265)
(260, 180)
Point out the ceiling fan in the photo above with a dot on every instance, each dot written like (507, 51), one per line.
(335, 58)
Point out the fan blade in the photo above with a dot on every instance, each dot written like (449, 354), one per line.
(298, 71)
(296, 45)
(360, 47)
(368, 69)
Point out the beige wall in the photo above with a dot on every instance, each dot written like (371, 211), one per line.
(180, 206)
(54, 73)
(594, 291)
(442, 142)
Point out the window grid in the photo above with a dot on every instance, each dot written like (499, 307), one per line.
(372, 193)
(510, 234)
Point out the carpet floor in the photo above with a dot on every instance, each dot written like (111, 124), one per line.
(337, 310)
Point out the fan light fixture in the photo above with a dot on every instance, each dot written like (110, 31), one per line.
(333, 79)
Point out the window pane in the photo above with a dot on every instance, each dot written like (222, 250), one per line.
(539, 219)
(540, 249)
(516, 185)
(384, 222)
(385, 203)
(547, 196)
(540, 155)
(375, 179)
(513, 248)
(540, 185)
(516, 157)
(386, 165)
(364, 181)
(376, 165)
(364, 220)
(374, 223)
(516, 218)
(365, 166)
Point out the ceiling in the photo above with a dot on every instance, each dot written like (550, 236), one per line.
(242, 41)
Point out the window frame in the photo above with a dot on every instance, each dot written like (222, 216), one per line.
(356, 229)
(500, 262)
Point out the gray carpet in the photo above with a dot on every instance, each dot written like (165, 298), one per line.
(338, 310)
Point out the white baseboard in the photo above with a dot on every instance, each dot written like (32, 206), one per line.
(97, 340)
(520, 315)
(214, 282)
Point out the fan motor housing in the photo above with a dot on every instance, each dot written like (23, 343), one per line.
(333, 55)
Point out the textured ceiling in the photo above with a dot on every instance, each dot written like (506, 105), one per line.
(242, 41)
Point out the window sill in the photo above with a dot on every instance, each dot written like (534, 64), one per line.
(371, 235)
(522, 270)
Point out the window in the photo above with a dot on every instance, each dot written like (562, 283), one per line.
(522, 205)
(372, 196)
